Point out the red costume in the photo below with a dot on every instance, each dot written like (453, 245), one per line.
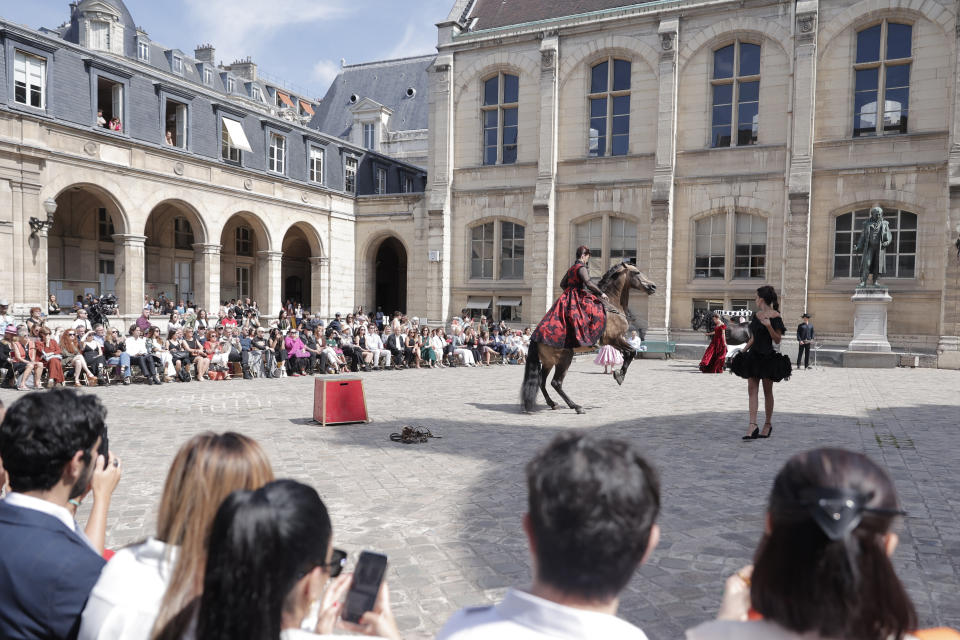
(716, 353)
(577, 318)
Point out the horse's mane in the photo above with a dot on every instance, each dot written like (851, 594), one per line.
(611, 274)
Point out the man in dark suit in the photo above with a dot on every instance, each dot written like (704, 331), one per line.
(804, 339)
(49, 443)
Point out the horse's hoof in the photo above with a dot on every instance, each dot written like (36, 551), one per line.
(580, 410)
(553, 406)
(618, 377)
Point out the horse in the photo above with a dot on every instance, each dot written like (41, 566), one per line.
(541, 358)
(736, 334)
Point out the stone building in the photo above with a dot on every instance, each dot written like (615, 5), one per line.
(164, 172)
(723, 145)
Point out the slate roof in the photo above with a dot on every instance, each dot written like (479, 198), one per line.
(502, 13)
(385, 82)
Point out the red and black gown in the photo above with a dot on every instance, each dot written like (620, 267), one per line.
(577, 318)
(716, 353)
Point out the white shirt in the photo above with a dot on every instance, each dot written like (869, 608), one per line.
(522, 616)
(82, 324)
(126, 599)
(754, 630)
(374, 342)
(136, 346)
(43, 506)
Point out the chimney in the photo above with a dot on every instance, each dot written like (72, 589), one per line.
(245, 68)
(205, 53)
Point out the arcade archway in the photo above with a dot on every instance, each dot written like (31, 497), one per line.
(390, 276)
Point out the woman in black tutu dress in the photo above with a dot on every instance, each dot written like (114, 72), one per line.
(759, 361)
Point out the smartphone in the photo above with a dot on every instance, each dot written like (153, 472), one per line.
(104, 449)
(367, 577)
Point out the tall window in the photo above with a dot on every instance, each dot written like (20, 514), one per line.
(350, 174)
(882, 68)
(176, 123)
(711, 236)
(257, 94)
(590, 234)
(380, 185)
(105, 229)
(183, 279)
(207, 76)
(901, 253)
(143, 51)
(406, 185)
(244, 237)
(316, 165)
(178, 65)
(610, 239)
(481, 251)
(99, 35)
(29, 80)
(110, 102)
(243, 282)
(736, 94)
(368, 135)
(750, 247)
(231, 85)
(228, 151)
(741, 235)
(276, 152)
(182, 233)
(610, 108)
(106, 274)
(501, 95)
(623, 239)
(511, 251)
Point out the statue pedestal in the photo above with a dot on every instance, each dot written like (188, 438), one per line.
(870, 347)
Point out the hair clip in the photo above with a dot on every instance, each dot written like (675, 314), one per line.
(839, 511)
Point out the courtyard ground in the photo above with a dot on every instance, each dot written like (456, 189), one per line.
(448, 512)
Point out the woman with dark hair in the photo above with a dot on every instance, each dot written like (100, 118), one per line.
(822, 568)
(578, 316)
(716, 353)
(760, 361)
(270, 557)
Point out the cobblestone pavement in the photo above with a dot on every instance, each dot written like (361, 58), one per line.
(448, 512)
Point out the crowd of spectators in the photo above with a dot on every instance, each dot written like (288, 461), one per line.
(240, 554)
(176, 342)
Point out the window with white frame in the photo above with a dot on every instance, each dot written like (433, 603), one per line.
(380, 181)
(276, 153)
(481, 251)
(231, 85)
(175, 118)
(143, 51)
(511, 250)
(29, 80)
(882, 79)
(178, 65)
(243, 282)
(98, 36)
(501, 96)
(257, 94)
(316, 165)
(182, 233)
(609, 108)
(407, 186)
(736, 95)
(228, 151)
(350, 174)
(900, 256)
(489, 240)
(740, 235)
(207, 76)
(611, 239)
(244, 238)
(109, 104)
(369, 135)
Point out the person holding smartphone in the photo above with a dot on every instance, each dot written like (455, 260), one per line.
(280, 535)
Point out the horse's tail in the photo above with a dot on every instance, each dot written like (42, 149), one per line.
(531, 378)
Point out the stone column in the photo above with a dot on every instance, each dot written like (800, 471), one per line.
(29, 250)
(795, 266)
(660, 248)
(206, 276)
(320, 286)
(128, 268)
(438, 193)
(540, 244)
(268, 285)
(948, 347)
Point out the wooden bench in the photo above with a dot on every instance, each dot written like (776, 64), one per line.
(653, 346)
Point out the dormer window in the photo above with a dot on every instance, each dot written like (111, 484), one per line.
(207, 76)
(99, 36)
(369, 135)
(143, 51)
(178, 65)
(231, 85)
(257, 94)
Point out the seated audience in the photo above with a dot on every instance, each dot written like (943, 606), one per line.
(274, 545)
(114, 350)
(26, 361)
(136, 348)
(593, 504)
(48, 444)
(72, 357)
(50, 350)
(822, 568)
(146, 586)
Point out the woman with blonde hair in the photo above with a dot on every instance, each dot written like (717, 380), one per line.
(145, 590)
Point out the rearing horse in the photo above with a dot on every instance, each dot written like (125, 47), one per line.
(541, 358)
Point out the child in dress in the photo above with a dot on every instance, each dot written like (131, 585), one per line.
(609, 358)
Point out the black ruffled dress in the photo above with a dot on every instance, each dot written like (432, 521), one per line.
(762, 360)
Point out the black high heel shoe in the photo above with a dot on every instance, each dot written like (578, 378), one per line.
(769, 433)
(753, 434)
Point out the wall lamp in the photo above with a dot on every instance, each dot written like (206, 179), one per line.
(37, 225)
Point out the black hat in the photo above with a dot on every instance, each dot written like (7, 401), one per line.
(806, 315)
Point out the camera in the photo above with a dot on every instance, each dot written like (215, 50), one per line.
(101, 308)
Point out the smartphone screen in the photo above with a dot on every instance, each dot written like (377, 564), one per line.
(371, 568)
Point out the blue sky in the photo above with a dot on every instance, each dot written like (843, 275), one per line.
(299, 41)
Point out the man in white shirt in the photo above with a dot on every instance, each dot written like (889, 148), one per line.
(81, 324)
(49, 444)
(5, 318)
(375, 344)
(591, 523)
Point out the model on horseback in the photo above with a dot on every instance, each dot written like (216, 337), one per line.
(577, 318)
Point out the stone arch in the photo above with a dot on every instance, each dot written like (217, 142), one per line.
(731, 28)
(312, 235)
(867, 11)
(172, 268)
(118, 212)
(301, 266)
(522, 64)
(197, 223)
(386, 284)
(199, 219)
(253, 271)
(630, 46)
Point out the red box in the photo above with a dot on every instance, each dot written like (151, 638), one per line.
(339, 400)
(216, 375)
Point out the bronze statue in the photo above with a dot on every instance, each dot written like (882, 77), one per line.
(874, 238)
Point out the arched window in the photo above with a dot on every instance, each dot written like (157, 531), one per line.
(736, 95)
(609, 238)
(485, 239)
(901, 253)
(501, 96)
(740, 235)
(182, 233)
(882, 68)
(610, 108)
